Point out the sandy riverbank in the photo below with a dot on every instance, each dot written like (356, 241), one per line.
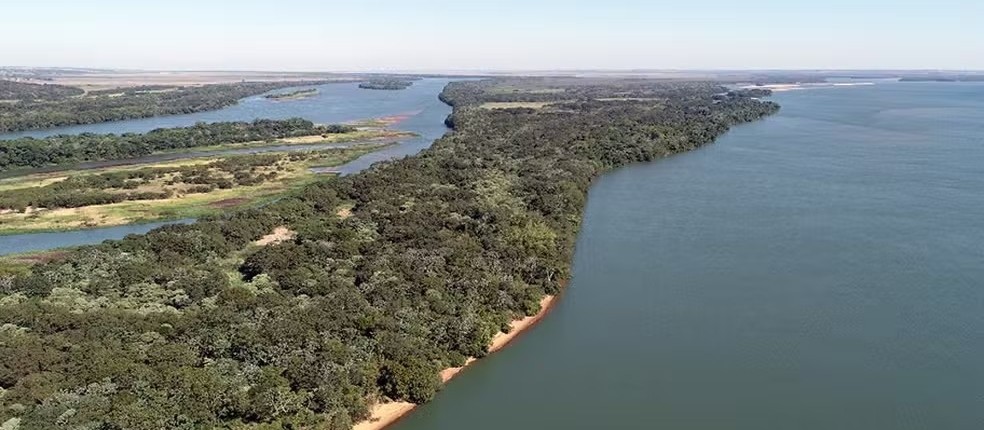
(384, 414)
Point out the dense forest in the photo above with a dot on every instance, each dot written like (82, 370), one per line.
(192, 327)
(123, 104)
(22, 91)
(386, 84)
(31, 152)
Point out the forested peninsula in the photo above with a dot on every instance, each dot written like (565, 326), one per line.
(27, 106)
(390, 275)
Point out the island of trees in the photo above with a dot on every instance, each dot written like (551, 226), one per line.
(62, 149)
(393, 274)
(299, 94)
(43, 106)
(386, 84)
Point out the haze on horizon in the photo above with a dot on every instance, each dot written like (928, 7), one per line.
(441, 35)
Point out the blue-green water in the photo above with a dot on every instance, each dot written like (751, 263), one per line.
(334, 103)
(821, 269)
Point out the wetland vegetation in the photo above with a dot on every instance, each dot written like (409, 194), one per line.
(160, 191)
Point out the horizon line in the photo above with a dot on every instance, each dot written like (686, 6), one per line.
(494, 70)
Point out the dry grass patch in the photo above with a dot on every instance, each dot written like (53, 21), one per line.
(30, 181)
(279, 234)
(344, 211)
(515, 105)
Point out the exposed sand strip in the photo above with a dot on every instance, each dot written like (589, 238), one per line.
(384, 414)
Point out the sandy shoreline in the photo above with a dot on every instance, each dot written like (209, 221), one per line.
(384, 414)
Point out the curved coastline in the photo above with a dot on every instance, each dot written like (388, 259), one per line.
(386, 414)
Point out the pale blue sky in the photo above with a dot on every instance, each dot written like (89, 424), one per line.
(489, 35)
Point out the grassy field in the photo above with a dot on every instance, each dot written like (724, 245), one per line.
(290, 173)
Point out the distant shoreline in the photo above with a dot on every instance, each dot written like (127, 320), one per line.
(383, 415)
(779, 88)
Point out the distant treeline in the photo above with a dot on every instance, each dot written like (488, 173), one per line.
(61, 149)
(191, 327)
(101, 107)
(22, 91)
(944, 78)
(386, 84)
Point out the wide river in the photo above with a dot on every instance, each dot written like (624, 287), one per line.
(821, 269)
(335, 103)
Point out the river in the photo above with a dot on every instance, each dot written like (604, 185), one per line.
(418, 106)
(820, 269)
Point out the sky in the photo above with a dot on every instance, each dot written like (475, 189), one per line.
(462, 35)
